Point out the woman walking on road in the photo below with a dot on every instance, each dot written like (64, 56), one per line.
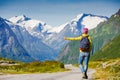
(85, 49)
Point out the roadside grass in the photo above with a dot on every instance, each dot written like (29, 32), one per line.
(33, 67)
(106, 70)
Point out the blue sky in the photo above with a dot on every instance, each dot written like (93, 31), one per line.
(57, 12)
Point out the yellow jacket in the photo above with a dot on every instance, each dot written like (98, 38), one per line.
(79, 38)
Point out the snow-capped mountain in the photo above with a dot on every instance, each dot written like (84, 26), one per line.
(53, 36)
(44, 42)
(9, 45)
(57, 29)
(31, 34)
(86, 20)
(74, 28)
(34, 27)
(18, 19)
(45, 32)
(90, 21)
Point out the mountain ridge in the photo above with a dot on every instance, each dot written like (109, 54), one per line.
(35, 47)
(9, 45)
(41, 43)
(101, 35)
(109, 51)
(74, 28)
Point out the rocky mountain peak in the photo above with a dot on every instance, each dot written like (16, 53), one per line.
(9, 45)
(118, 13)
(18, 19)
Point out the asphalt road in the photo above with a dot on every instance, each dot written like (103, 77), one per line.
(73, 74)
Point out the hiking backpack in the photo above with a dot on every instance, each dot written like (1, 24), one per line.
(85, 44)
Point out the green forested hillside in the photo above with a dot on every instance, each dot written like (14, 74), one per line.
(103, 34)
(109, 51)
(108, 61)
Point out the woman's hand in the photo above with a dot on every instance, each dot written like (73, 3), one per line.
(65, 38)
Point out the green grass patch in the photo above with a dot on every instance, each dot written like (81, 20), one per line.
(33, 67)
(106, 70)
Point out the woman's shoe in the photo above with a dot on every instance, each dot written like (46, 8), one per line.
(85, 76)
